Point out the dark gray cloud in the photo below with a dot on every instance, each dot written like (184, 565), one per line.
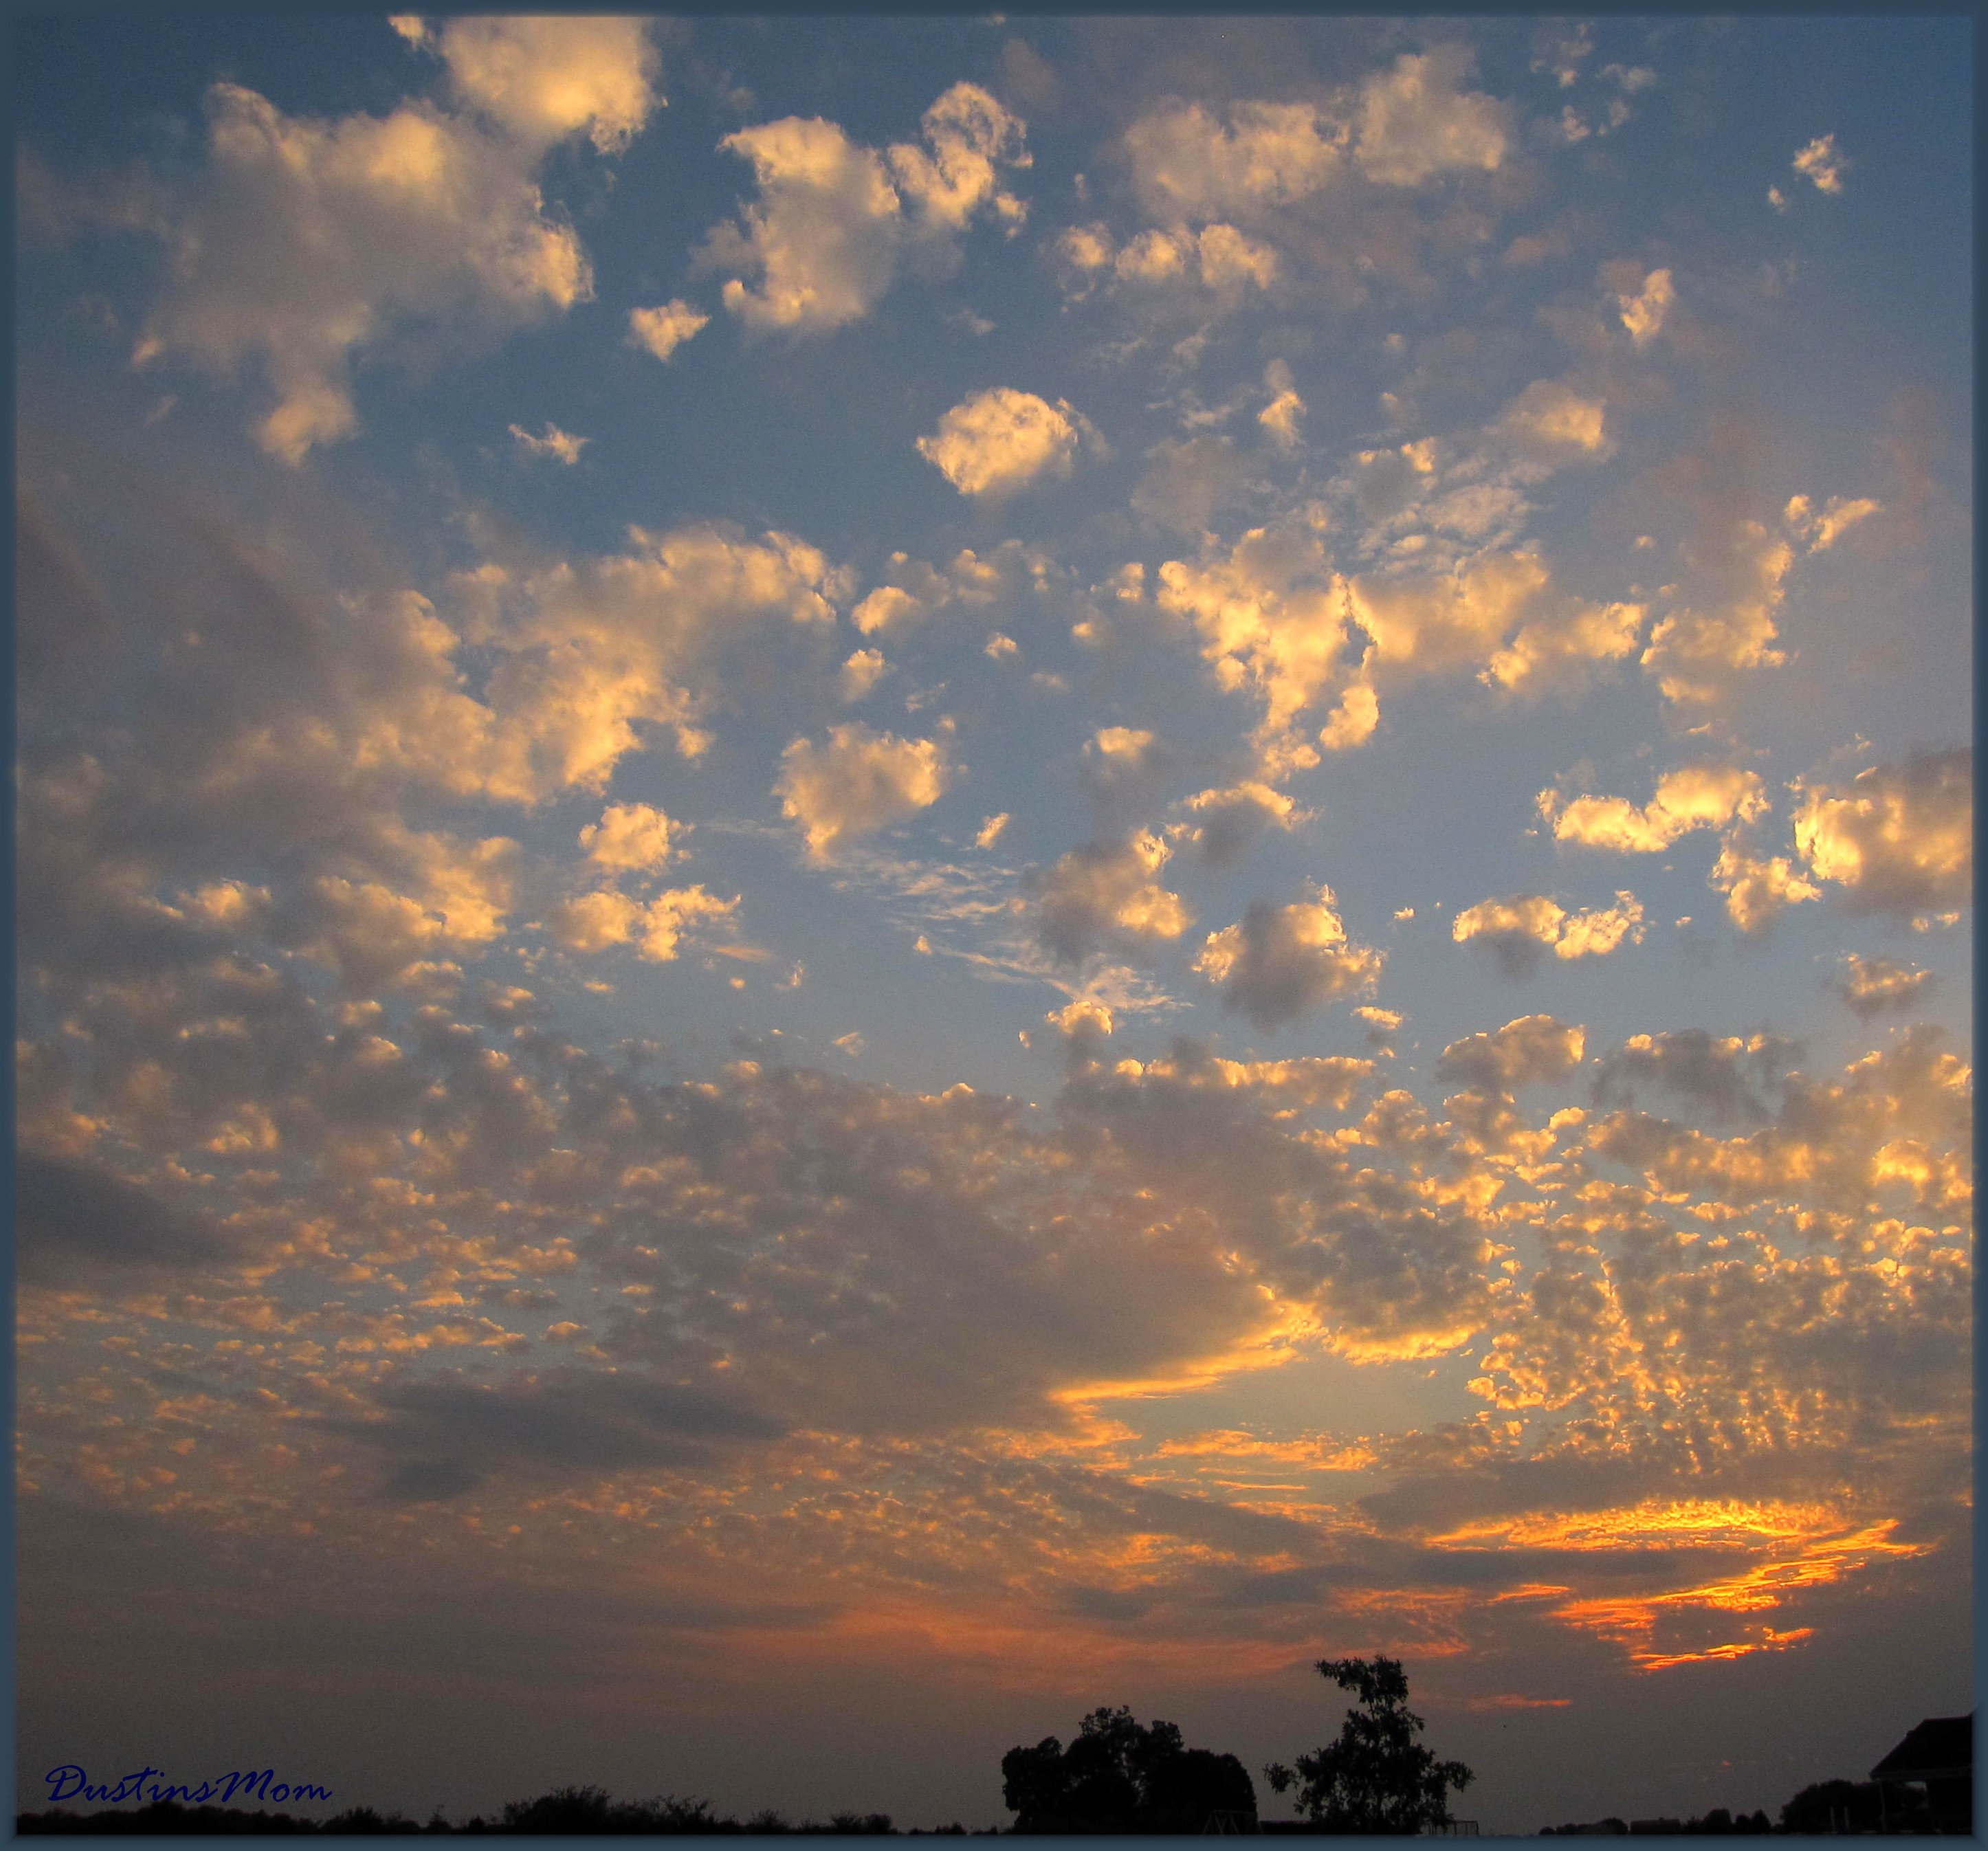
(72, 1219)
(450, 1433)
(1732, 1077)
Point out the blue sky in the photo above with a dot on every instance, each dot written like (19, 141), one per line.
(1059, 857)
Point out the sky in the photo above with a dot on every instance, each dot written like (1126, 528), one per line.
(876, 876)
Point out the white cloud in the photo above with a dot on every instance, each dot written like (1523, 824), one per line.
(632, 837)
(1352, 723)
(592, 922)
(1271, 615)
(1693, 797)
(1757, 888)
(1415, 124)
(561, 445)
(1227, 258)
(1822, 531)
(1532, 1048)
(1106, 895)
(1549, 424)
(1187, 166)
(830, 230)
(1280, 417)
(1643, 313)
(1819, 161)
(1278, 963)
(996, 443)
(304, 242)
(544, 78)
(1561, 652)
(589, 650)
(990, 830)
(1229, 820)
(1697, 651)
(859, 782)
(663, 330)
(1872, 985)
(860, 672)
(1518, 929)
(1897, 839)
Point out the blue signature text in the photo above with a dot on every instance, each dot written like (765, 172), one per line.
(71, 1783)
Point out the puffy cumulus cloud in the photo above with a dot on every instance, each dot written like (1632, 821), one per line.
(656, 928)
(996, 443)
(1434, 624)
(1235, 171)
(1522, 1053)
(1892, 1133)
(306, 736)
(859, 782)
(1819, 161)
(1275, 617)
(1698, 651)
(1352, 723)
(1228, 820)
(861, 672)
(1643, 313)
(1897, 837)
(1822, 531)
(591, 651)
(1758, 888)
(835, 221)
(1414, 123)
(1875, 985)
(1106, 895)
(1278, 963)
(1520, 929)
(1549, 424)
(1271, 617)
(302, 242)
(441, 894)
(1188, 166)
(541, 79)
(1872, 985)
(662, 330)
(632, 837)
(1219, 257)
(1693, 797)
(1561, 652)
(913, 589)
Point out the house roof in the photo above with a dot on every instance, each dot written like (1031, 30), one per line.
(1940, 1748)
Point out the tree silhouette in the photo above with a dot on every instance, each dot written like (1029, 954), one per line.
(1376, 1777)
(1118, 1777)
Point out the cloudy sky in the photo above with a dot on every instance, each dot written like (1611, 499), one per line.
(879, 876)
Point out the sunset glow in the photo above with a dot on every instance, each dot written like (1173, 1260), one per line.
(881, 876)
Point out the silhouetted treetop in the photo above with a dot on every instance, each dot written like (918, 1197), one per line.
(1377, 1777)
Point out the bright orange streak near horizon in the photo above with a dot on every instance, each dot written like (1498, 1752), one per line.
(1630, 1621)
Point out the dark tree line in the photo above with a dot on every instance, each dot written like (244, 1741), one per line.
(1117, 1775)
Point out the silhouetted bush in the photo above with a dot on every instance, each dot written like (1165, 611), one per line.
(1118, 1777)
